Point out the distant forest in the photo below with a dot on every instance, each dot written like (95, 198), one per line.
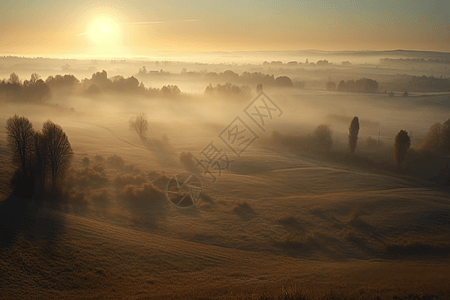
(422, 84)
(418, 84)
(230, 76)
(36, 90)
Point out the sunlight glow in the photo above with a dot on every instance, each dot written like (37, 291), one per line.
(105, 34)
(102, 29)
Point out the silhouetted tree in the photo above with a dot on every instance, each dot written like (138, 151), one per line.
(284, 81)
(365, 85)
(14, 79)
(170, 90)
(139, 124)
(59, 150)
(20, 140)
(432, 140)
(401, 146)
(229, 90)
(353, 131)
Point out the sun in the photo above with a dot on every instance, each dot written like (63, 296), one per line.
(102, 29)
(105, 34)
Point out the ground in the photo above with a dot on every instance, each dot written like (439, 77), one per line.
(274, 223)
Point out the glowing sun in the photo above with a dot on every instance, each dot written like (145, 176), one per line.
(102, 29)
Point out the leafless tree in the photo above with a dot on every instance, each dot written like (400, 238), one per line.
(139, 124)
(401, 146)
(20, 140)
(353, 131)
(59, 150)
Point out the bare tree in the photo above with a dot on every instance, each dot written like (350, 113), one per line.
(20, 140)
(59, 150)
(139, 124)
(353, 131)
(401, 146)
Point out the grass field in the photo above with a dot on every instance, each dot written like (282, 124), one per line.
(273, 226)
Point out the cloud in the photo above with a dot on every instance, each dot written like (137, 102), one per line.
(164, 22)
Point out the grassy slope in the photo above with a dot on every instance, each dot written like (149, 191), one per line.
(270, 221)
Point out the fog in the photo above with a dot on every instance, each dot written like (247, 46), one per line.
(295, 195)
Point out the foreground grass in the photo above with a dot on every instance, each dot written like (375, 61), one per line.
(57, 256)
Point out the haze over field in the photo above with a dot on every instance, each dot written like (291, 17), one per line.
(203, 151)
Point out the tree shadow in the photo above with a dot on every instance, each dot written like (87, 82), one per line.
(161, 149)
(29, 218)
(244, 210)
(28, 214)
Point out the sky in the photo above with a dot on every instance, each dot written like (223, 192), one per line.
(139, 28)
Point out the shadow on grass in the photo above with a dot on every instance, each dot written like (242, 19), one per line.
(161, 149)
(24, 213)
(29, 218)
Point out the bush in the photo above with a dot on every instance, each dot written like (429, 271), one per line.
(323, 137)
(401, 146)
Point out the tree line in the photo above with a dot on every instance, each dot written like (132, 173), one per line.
(36, 90)
(364, 85)
(230, 76)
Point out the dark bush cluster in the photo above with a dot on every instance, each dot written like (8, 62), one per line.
(364, 85)
(437, 140)
(229, 91)
(34, 90)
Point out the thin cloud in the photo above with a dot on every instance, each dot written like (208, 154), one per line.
(162, 22)
(83, 33)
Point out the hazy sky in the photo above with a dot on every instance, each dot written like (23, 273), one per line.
(119, 28)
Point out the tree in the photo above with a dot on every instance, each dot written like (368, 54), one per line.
(438, 139)
(284, 81)
(401, 146)
(432, 140)
(20, 140)
(139, 124)
(59, 150)
(353, 131)
(14, 79)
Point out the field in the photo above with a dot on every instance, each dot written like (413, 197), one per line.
(280, 223)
